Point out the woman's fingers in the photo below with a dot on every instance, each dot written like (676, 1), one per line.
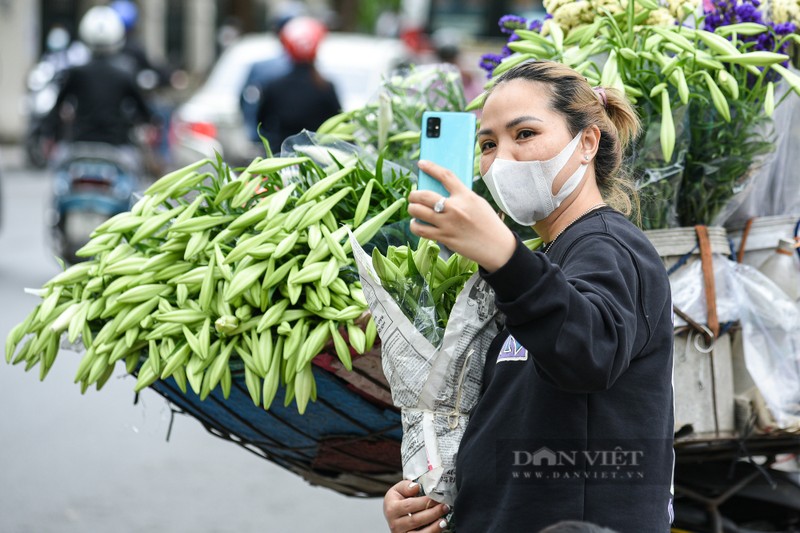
(407, 488)
(465, 223)
(399, 505)
(405, 511)
(449, 181)
(395, 502)
(417, 505)
(426, 205)
(427, 520)
(435, 527)
(425, 214)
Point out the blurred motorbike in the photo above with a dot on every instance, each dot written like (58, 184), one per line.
(43, 85)
(92, 182)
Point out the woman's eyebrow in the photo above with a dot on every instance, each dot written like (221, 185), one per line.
(520, 120)
(512, 123)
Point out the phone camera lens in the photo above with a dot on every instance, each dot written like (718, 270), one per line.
(433, 126)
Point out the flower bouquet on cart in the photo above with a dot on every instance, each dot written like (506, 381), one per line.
(234, 294)
(703, 82)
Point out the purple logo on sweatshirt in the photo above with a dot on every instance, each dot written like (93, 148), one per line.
(512, 351)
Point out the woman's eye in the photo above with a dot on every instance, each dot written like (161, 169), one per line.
(486, 145)
(524, 134)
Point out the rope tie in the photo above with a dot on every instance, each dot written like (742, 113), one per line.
(455, 414)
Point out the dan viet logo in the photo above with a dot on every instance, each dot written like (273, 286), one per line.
(546, 457)
(581, 460)
(545, 464)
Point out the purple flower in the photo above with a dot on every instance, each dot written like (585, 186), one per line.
(748, 13)
(506, 51)
(713, 21)
(489, 62)
(509, 23)
(765, 42)
(725, 12)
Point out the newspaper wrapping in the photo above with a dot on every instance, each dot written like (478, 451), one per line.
(435, 387)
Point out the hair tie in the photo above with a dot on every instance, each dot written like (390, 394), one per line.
(601, 94)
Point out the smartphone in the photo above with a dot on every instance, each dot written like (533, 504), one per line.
(447, 139)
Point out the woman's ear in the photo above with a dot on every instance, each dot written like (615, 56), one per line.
(590, 142)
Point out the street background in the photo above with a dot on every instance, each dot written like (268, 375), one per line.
(97, 462)
(72, 463)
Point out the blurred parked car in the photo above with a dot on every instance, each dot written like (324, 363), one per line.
(211, 120)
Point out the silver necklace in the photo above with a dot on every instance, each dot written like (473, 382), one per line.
(574, 220)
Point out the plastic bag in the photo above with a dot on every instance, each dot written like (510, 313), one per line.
(658, 181)
(413, 296)
(771, 336)
(724, 161)
(753, 176)
(770, 323)
(689, 295)
(326, 150)
(776, 188)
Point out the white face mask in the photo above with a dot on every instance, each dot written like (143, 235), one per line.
(523, 189)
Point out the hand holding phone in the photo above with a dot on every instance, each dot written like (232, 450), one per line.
(447, 139)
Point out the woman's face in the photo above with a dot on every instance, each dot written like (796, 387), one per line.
(518, 124)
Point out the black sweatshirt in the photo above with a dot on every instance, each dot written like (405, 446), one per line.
(576, 417)
(108, 103)
(301, 99)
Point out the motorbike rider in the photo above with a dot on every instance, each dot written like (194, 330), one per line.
(100, 102)
(302, 98)
(263, 72)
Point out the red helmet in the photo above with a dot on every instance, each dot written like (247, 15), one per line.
(301, 37)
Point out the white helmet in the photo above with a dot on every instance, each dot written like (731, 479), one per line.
(102, 30)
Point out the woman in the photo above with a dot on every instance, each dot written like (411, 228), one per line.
(575, 421)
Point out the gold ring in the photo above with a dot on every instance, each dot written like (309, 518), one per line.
(428, 504)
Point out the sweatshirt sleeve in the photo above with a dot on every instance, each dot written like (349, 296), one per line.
(578, 324)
